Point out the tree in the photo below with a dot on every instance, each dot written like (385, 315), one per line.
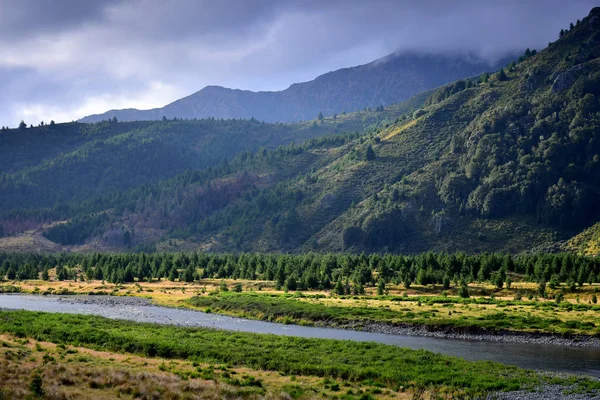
(339, 287)
(173, 274)
(61, 273)
(22, 125)
(369, 153)
(501, 75)
(223, 287)
(484, 77)
(562, 33)
(446, 282)
(188, 274)
(499, 280)
(542, 288)
(1, 231)
(128, 274)
(238, 288)
(352, 236)
(381, 287)
(407, 281)
(45, 275)
(320, 116)
(291, 283)
(127, 239)
(463, 291)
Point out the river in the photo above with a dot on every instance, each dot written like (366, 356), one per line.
(576, 360)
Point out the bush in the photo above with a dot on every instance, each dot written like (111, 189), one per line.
(419, 113)
(36, 386)
(463, 291)
(223, 287)
(542, 289)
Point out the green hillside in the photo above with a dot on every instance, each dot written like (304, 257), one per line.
(586, 242)
(507, 162)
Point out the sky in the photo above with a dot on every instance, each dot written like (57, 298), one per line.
(64, 59)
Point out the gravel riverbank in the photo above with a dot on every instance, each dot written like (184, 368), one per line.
(382, 327)
(470, 334)
(544, 392)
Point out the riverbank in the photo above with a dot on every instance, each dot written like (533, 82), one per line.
(504, 336)
(426, 311)
(340, 366)
(440, 317)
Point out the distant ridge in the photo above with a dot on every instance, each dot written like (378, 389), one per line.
(391, 79)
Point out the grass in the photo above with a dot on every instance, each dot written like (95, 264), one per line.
(78, 372)
(435, 312)
(370, 364)
(420, 305)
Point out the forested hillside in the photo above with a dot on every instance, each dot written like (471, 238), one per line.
(389, 80)
(502, 162)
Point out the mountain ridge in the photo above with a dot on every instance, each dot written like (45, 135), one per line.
(390, 79)
(503, 162)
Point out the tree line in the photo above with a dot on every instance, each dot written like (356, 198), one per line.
(344, 273)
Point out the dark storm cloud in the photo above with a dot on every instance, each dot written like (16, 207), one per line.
(20, 18)
(63, 59)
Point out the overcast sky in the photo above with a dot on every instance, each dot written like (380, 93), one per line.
(64, 59)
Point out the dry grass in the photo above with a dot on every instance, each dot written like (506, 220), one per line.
(81, 373)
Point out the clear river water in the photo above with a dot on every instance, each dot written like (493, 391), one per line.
(576, 360)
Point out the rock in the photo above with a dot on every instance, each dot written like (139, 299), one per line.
(327, 200)
(566, 79)
(438, 222)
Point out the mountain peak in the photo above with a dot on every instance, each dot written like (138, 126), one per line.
(390, 79)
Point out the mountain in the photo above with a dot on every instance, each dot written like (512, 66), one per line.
(502, 162)
(389, 80)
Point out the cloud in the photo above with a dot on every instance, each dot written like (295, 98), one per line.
(70, 58)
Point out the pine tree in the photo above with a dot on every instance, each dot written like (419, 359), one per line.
(381, 287)
(128, 274)
(369, 153)
(188, 274)
(502, 75)
(291, 283)
(339, 287)
(463, 291)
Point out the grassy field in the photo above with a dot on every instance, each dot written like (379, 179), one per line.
(79, 372)
(94, 357)
(519, 308)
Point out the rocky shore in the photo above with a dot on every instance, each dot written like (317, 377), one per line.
(543, 392)
(469, 334)
(387, 328)
(106, 301)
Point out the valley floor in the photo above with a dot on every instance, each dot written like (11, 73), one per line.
(515, 314)
(61, 356)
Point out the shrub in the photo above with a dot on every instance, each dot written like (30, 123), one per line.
(463, 291)
(36, 385)
(419, 113)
